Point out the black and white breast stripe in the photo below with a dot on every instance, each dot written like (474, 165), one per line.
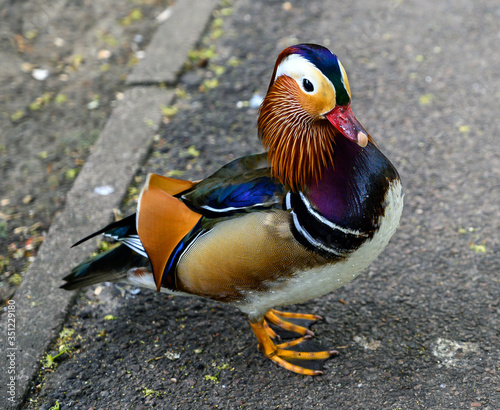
(318, 233)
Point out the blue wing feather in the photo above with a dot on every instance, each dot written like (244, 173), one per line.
(243, 195)
(240, 186)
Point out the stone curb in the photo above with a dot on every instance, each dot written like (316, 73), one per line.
(39, 307)
(169, 48)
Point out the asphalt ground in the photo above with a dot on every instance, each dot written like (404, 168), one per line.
(419, 329)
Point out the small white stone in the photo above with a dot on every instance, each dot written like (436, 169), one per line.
(92, 105)
(40, 74)
(164, 15)
(104, 190)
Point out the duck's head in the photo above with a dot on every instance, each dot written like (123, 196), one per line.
(307, 106)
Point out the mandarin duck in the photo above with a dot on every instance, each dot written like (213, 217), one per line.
(272, 229)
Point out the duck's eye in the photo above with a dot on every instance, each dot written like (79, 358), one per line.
(308, 86)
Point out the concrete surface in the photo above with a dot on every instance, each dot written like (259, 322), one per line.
(420, 329)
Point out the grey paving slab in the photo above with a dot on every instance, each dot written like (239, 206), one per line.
(170, 45)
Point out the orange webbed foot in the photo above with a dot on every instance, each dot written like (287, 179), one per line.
(281, 353)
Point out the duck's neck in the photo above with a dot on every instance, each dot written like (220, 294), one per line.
(351, 190)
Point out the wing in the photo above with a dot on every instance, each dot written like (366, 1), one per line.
(172, 214)
(243, 185)
(168, 224)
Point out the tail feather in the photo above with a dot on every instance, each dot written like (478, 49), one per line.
(118, 229)
(109, 266)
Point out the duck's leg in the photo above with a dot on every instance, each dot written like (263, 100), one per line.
(278, 353)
